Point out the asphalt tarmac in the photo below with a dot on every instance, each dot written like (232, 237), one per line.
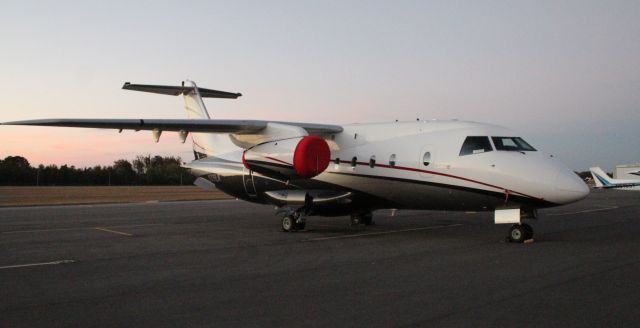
(226, 263)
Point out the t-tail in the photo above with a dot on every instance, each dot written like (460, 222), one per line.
(204, 144)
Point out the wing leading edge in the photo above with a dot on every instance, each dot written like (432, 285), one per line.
(186, 125)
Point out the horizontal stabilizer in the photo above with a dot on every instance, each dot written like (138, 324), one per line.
(180, 90)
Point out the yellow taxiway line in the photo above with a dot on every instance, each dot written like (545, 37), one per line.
(36, 264)
(113, 231)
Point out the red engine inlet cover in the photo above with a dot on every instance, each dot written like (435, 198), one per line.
(311, 157)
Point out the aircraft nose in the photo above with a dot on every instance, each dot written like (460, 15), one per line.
(571, 187)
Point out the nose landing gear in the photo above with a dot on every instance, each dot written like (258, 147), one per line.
(519, 232)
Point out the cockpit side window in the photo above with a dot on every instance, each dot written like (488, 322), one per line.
(475, 145)
(511, 144)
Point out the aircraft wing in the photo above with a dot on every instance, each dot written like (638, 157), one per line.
(187, 125)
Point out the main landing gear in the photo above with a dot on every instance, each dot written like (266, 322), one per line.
(519, 233)
(293, 222)
(361, 218)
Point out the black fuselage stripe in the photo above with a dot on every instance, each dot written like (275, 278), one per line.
(413, 169)
(518, 198)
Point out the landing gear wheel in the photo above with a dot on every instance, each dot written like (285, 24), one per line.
(355, 220)
(528, 231)
(288, 223)
(367, 219)
(517, 234)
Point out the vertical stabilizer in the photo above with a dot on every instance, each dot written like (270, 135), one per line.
(600, 178)
(204, 144)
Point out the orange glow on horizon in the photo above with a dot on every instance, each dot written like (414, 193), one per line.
(86, 147)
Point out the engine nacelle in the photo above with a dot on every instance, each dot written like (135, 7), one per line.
(296, 158)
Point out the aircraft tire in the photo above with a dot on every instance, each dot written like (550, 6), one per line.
(288, 223)
(517, 234)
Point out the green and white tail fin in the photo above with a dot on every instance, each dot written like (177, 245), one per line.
(204, 144)
(600, 178)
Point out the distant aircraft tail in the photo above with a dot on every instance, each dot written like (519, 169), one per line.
(601, 179)
(204, 144)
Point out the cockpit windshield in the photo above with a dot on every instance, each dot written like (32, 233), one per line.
(475, 145)
(511, 144)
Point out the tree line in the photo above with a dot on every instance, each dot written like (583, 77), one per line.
(143, 170)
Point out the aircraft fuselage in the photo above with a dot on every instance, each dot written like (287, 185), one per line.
(417, 165)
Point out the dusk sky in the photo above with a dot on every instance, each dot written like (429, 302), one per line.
(564, 74)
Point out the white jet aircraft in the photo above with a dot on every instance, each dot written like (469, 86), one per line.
(602, 180)
(307, 169)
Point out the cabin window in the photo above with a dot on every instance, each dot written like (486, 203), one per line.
(354, 161)
(337, 161)
(511, 144)
(475, 145)
(426, 158)
(392, 160)
(372, 161)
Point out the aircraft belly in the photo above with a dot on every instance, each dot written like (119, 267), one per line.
(371, 192)
(419, 194)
